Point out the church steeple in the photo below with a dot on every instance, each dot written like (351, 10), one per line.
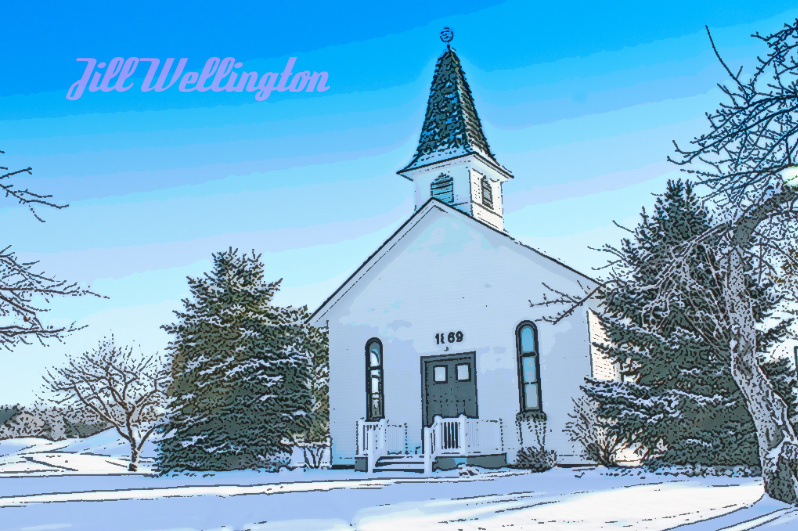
(453, 161)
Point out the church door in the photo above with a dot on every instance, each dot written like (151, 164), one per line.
(450, 387)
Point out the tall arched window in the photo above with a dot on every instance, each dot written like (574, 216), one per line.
(487, 193)
(375, 406)
(526, 338)
(442, 188)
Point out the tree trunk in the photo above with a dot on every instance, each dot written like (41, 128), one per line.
(778, 445)
(134, 458)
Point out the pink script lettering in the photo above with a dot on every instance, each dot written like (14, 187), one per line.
(217, 75)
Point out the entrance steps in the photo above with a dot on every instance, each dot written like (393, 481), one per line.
(400, 463)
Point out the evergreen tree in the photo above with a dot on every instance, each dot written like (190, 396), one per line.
(678, 401)
(317, 344)
(241, 372)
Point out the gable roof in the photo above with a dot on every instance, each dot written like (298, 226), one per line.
(452, 127)
(403, 230)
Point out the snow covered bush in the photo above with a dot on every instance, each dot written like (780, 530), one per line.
(531, 428)
(709, 471)
(532, 434)
(587, 430)
(535, 458)
(309, 455)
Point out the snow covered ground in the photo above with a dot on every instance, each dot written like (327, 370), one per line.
(104, 453)
(57, 491)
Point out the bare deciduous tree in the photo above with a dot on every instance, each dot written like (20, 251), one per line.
(119, 387)
(751, 142)
(24, 291)
(743, 160)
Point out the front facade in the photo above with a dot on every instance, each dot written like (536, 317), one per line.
(436, 354)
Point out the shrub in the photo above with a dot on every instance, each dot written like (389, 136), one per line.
(536, 459)
(585, 429)
(314, 454)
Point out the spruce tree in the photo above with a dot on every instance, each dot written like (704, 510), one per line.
(678, 402)
(317, 343)
(241, 372)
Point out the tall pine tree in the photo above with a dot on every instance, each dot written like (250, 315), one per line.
(317, 343)
(241, 372)
(678, 401)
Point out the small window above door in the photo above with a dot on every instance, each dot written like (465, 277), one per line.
(463, 372)
(439, 374)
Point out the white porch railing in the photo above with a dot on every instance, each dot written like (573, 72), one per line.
(462, 437)
(377, 439)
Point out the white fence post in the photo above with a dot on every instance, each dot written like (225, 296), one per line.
(427, 446)
(462, 439)
(358, 443)
(371, 450)
(383, 437)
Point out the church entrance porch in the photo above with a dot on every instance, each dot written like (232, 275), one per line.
(452, 431)
(448, 442)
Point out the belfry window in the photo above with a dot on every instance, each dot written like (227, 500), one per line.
(442, 188)
(375, 407)
(526, 338)
(487, 193)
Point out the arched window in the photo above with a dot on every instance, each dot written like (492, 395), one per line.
(375, 407)
(487, 193)
(526, 339)
(442, 188)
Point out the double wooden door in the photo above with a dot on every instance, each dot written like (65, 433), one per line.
(450, 387)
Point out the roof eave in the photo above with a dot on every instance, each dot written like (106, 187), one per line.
(486, 160)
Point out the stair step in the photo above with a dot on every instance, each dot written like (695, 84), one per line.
(400, 467)
(400, 463)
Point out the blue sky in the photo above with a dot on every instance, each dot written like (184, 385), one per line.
(580, 100)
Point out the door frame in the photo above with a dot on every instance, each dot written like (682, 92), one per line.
(472, 355)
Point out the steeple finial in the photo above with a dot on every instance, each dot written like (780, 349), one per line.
(447, 34)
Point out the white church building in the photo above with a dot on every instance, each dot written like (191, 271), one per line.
(437, 356)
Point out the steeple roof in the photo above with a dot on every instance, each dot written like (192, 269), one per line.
(451, 126)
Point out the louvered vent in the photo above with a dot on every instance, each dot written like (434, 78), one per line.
(442, 189)
(487, 193)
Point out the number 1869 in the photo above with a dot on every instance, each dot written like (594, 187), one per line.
(451, 337)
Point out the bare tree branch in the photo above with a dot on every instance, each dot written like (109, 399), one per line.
(25, 292)
(24, 196)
